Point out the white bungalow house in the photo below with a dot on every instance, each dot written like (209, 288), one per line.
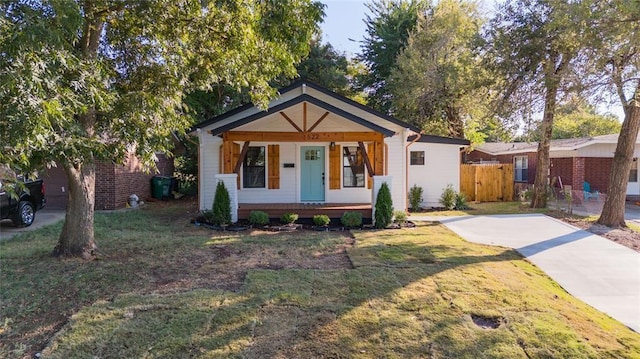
(314, 149)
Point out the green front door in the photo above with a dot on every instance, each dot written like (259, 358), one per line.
(312, 176)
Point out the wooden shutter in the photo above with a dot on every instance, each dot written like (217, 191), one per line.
(274, 166)
(372, 160)
(335, 160)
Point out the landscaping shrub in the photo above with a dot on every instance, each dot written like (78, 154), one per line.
(351, 219)
(461, 201)
(448, 198)
(259, 218)
(400, 216)
(289, 218)
(384, 207)
(221, 211)
(321, 220)
(415, 198)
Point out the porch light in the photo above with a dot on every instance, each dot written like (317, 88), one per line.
(332, 146)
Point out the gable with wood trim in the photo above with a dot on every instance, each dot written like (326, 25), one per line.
(310, 146)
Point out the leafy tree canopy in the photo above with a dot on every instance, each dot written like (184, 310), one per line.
(577, 118)
(130, 63)
(388, 29)
(439, 75)
(91, 80)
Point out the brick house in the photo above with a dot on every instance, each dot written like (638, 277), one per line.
(573, 161)
(114, 183)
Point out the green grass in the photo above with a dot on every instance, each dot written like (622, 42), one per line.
(487, 208)
(166, 289)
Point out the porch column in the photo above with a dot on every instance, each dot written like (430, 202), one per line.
(577, 173)
(377, 183)
(230, 181)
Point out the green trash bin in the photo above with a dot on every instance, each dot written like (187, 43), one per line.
(161, 187)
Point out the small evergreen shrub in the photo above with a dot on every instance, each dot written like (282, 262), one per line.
(208, 216)
(461, 201)
(384, 207)
(321, 220)
(289, 218)
(258, 218)
(221, 211)
(400, 217)
(448, 198)
(415, 198)
(351, 219)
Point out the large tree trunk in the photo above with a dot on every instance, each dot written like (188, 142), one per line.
(613, 211)
(77, 237)
(540, 188)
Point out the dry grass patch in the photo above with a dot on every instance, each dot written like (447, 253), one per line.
(163, 290)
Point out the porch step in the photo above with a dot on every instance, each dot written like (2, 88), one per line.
(304, 211)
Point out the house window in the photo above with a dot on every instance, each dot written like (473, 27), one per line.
(417, 158)
(633, 173)
(353, 167)
(521, 169)
(253, 168)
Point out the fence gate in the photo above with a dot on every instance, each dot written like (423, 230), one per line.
(487, 182)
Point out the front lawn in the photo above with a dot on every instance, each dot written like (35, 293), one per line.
(165, 288)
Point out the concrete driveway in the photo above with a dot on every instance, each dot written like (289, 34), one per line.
(43, 218)
(594, 269)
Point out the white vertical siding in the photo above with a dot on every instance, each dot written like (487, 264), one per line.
(396, 169)
(441, 168)
(209, 167)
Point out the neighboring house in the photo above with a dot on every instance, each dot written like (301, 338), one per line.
(573, 161)
(114, 183)
(314, 146)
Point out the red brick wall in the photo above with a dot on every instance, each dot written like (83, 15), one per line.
(562, 167)
(115, 183)
(596, 172)
(105, 186)
(131, 179)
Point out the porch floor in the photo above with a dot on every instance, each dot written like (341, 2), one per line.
(304, 210)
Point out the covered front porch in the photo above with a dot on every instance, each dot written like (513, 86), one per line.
(305, 210)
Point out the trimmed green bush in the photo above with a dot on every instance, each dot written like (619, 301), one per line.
(384, 207)
(321, 220)
(259, 218)
(351, 219)
(221, 211)
(415, 198)
(448, 198)
(289, 218)
(461, 201)
(400, 217)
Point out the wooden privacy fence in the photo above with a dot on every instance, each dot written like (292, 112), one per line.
(487, 182)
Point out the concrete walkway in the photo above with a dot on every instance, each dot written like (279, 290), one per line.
(43, 218)
(594, 269)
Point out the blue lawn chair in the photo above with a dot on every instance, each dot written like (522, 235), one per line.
(586, 188)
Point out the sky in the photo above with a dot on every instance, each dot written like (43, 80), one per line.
(344, 20)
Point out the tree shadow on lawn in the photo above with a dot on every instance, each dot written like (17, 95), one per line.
(409, 293)
(278, 313)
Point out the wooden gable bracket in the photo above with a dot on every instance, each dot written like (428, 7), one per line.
(319, 120)
(243, 154)
(365, 156)
(290, 121)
